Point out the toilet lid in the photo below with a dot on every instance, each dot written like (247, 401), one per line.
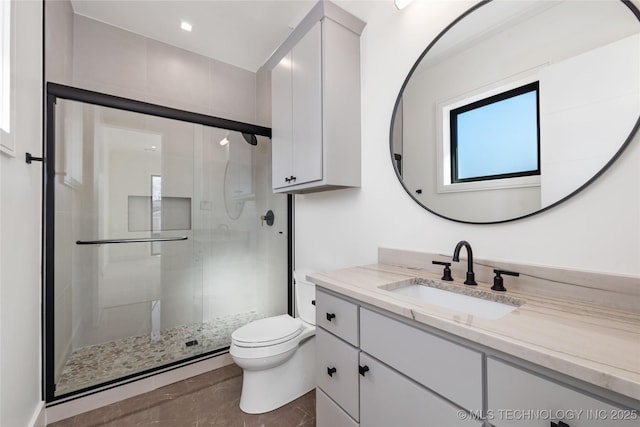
(269, 331)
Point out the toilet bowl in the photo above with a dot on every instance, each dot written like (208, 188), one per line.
(277, 355)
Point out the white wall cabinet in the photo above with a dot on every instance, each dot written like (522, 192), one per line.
(520, 398)
(315, 101)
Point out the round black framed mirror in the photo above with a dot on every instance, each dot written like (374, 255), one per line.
(517, 106)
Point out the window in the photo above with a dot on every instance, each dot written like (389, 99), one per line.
(496, 137)
(7, 142)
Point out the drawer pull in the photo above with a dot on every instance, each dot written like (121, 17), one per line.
(330, 316)
(363, 369)
(331, 371)
(313, 302)
(559, 424)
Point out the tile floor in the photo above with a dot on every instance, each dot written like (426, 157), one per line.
(103, 362)
(210, 399)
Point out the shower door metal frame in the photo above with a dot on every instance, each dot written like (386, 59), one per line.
(56, 91)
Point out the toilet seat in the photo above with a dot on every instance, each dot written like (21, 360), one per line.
(267, 332)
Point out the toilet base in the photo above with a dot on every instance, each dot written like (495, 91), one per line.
(269, 389)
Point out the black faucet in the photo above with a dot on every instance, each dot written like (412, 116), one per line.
(471, 279)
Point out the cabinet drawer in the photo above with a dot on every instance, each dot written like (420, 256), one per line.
(337, 371)
(520, 398)
(445, 367)
(387, 398)
(337, 316)
(328, 414)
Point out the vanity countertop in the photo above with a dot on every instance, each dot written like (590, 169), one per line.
(594, 343)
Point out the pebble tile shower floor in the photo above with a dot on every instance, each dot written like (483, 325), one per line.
(96, 364)
(210, 399)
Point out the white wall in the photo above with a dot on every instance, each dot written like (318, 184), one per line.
(20, 373)
(597, 230)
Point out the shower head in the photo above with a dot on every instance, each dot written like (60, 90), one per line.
(250, 138)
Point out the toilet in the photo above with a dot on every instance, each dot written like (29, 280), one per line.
(277, 354)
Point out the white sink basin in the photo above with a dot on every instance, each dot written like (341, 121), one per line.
(474, 302)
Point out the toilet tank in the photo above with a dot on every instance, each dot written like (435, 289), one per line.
(305, 295)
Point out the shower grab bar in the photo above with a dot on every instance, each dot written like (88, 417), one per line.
(144, 240)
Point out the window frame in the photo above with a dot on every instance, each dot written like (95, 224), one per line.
(494, 99)
(443, 146)
(7, 78)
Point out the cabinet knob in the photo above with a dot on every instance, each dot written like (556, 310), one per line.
(292, 178)
(287, 179)
(559, 424)
(363, 369)
(330, 316)
(331, 371)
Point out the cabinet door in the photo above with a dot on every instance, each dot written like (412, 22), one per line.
(337, 371)
(390, 399)
(519, 398)
(307, 108)
(447, 368)
(328, 414)
(281, 122)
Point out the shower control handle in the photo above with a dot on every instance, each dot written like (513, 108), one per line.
(330, 316)
(331, 371)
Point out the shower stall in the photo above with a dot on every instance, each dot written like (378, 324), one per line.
(157, 243)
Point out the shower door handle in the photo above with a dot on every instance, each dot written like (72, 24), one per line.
(143, 240)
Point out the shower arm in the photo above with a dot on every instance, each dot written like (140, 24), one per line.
(112, 241)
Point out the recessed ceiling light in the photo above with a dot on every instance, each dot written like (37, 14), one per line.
(185, 26)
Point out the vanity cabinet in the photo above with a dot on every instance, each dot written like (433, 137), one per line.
(337, 403)
(315, 100)
(447, 368)
(376, 371)
(517, 397)
(388, 398)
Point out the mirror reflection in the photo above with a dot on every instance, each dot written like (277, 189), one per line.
(518, 106)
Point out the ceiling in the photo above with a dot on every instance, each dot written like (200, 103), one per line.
(243, 33)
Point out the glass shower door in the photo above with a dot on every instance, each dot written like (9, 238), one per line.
(156, 251)
(128, 279)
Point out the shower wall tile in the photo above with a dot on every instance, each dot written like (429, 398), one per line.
(111, 60)
(109, 57)
(263, 97)
(234, 92)
(59, 41)
(176, 75)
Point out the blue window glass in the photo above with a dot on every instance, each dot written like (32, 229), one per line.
(496, 137)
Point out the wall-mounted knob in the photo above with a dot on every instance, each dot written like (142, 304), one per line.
(330, 316)
(446, 274)
(269, 217)
(331, 371)
(498, 281)
(363, 369)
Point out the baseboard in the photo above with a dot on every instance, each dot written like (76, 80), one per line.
(60, 411)
(39, 418)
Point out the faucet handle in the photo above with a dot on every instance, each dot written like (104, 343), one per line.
(446, 275)
(498, 281)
